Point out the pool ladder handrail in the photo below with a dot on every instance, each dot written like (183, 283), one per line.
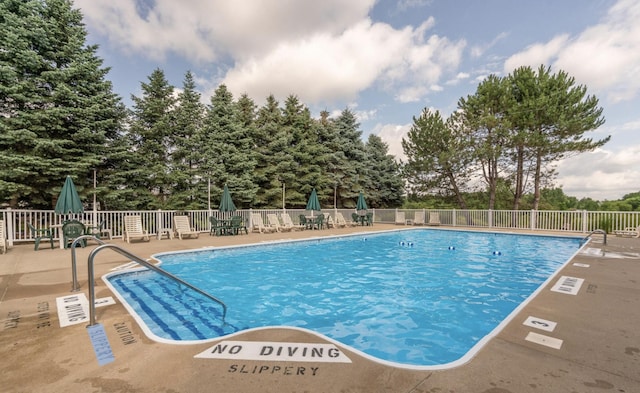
(598, 231)
(134, 258)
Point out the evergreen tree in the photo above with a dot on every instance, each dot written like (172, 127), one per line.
(273, 166)
(352, 174)
(152, 125)
(57, 109)
(189, 189)
(385, 183)
(225, 148)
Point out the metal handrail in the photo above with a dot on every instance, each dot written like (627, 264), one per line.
(120, 250)
(74, 274)
(598, 231)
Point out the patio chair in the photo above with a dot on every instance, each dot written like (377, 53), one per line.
(3, 240)
(329, 223)
(237, 225)
(217, 227)
(100, 230)
(133, 229)
(274, 222)
(39, 234)
(319, 221)
(418, 218)
(369, 219)
(258, 225)
(304, 222)
(340, 221)
(434, 219)
(628, 232)
(71, 230)
(183, 227)
(400, 218)
(355, 219)
(287, 222)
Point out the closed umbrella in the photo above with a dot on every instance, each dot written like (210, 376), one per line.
(69, 200)
(361, 206)
(226, 203)
(314, 202)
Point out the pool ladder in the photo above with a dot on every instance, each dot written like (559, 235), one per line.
(598, 231)
(140, 261)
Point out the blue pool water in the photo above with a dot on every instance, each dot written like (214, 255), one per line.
(417, 297)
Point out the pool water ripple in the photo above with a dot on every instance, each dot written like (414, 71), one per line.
(418, 297)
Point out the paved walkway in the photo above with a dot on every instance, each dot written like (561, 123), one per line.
(599, 329)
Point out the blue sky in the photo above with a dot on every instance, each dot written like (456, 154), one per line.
(388, 60)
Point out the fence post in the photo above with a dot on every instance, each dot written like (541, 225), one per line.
(584, 221)
(490, 220)
(533, 220)
(11, 233)
(454, 218)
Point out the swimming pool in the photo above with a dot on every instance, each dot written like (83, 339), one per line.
(414, 297)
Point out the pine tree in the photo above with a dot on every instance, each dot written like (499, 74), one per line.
(189, 188)
(384, 183)
(351, 159)
(57, 109)
(152, 125)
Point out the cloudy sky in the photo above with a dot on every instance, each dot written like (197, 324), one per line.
(388, 60)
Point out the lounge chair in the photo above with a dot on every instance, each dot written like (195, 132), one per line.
(418, 218)
(340, 221)
(3, 238)
(71, 230)
(183, 227)
(40, 234)
(257, 225)
(400, 218)
(287, 222)
(133, 229)
(328, 221)
(434, 219)
(274, 222)
(628, 232)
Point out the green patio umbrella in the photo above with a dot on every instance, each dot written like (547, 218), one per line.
(314, 202)
(69, 200)
(226, 203)
(361, 205)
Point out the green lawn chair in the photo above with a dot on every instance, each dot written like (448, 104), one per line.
(369, 218)
(39, 234)
(71, 230)
(217, 228)
(320, 221)
(303, 221)
(237, 225)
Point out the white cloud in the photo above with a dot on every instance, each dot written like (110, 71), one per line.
(601, 174)
(604, 57)
(392, 135)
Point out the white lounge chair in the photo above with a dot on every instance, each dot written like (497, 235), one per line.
(328, 221)
(183, 228)
(400, 218)
(257, 225)
(3, 240)
(133, 229)
(434, 219)
(340, 221)
(274, 222)
(418, 218)
(628, 232)
(287, 222)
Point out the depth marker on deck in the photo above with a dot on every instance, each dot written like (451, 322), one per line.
(540, 323)
(541, 339)
(74, 309)
(568, 285)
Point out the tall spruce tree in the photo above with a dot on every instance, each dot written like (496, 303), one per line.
(352, 176)
(57, 109)
(384, 183)
(189, 190)
(152, 125)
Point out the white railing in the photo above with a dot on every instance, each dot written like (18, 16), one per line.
(154, 221)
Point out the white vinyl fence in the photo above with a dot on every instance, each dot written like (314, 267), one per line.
(581, 221)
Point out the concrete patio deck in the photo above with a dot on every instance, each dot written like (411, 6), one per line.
(599, 329)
